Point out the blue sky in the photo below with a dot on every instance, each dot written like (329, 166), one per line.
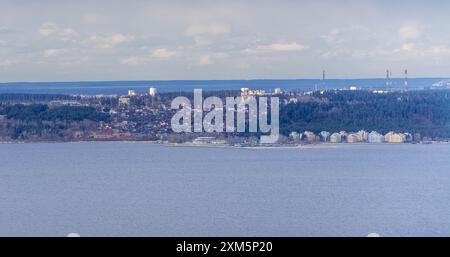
(146, 40)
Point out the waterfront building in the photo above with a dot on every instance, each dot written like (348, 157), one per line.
(392, 137)
(269, 140)
(152, 91)
(207, 141)
(336, 138)
(295, 136)
(353, 138)
(343, 135)
(417, 137)
(362, 135)
(409, 137)
(324, 136)
(310, 137)
(375, 137)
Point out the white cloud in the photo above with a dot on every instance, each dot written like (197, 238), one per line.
(205, 60)
(202, 41)
(53, 52)
(408, 47)
(335, 53)
(109, 41)
(211, 58)
(409, 32)
(48, 29)
(157, 54)
(163, 53)
(7, 30)
(7, 62)
(440, 50)
(206, 33)
(333, 37)
(213, 29)
(67, 34)
(134, 60)
(90, 18)
(278, 47)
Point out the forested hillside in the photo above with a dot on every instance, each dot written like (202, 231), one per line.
(425, 112)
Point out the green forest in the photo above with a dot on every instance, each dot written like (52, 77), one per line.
(425, 112)
(41, 112)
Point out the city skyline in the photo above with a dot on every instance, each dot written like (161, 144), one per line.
(201, 40)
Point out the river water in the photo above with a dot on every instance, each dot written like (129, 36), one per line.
(140, 189)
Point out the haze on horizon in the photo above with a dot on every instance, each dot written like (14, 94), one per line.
(172, 40)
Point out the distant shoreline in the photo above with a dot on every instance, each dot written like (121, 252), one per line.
(175, 86)
(188, 145)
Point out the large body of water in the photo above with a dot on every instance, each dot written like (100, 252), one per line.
(122, 87)
(139, 189)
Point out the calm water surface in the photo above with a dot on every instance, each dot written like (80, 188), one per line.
(138, 189)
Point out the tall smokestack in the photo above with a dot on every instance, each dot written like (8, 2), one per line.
(323, 79)
(388, 78)
(405, 86)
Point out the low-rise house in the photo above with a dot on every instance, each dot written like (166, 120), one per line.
(295, 136)
(325, 136)
(353, 138)
(375, 137)
(309, 136)
(336, 138)
(343, 135)
(409, 137)
(362, 135)
(392, 137)
(207, 141)
(124, 101)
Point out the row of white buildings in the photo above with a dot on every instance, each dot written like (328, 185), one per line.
(358, 137)
(151, 92)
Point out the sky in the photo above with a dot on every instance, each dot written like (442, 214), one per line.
(202, 40)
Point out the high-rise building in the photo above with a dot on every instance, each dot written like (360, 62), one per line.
(152, 91)
(278, 91)
(131, 93)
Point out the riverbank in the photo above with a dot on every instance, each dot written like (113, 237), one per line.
(256, 147)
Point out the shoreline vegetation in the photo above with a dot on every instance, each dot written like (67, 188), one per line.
(256, 147)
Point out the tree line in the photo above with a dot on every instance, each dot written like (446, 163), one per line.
(424, 112)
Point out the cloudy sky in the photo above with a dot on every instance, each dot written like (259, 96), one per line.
(148, 40)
